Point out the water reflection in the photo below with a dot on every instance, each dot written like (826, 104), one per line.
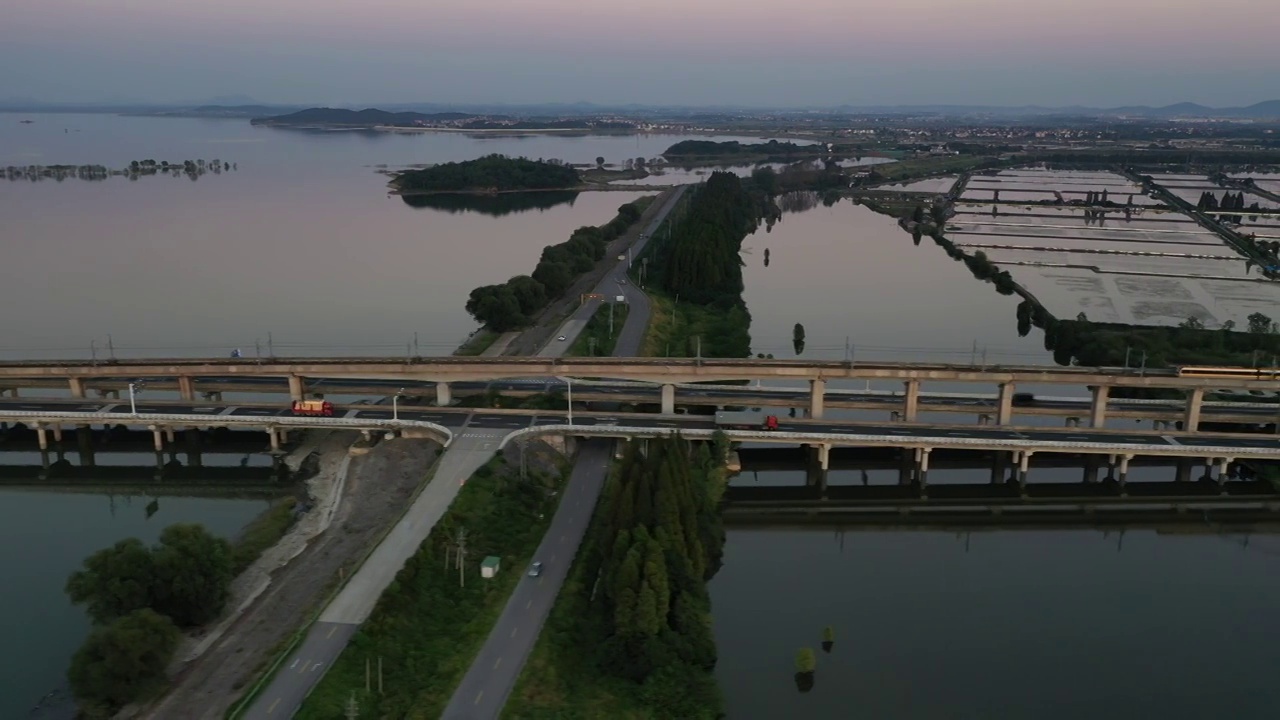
(493, 205)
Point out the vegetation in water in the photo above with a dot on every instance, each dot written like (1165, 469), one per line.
(630, 635)
(492, 173)
(515, 303)
(432, 620)
(139, 596)
(192, 169)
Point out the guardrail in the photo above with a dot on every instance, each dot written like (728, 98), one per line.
(908, 441)
(266, 421)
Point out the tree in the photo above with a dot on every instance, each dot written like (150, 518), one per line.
(530, 294)
(122, 662)
(797, 338)
(496, 307)
(806, 662)
(114, 581)
(1260, 324)
(193, 573)
(600, 162)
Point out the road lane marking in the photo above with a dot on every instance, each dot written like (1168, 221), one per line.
(273, 706)
(513, 631)
(496, 663)
(528, 604)
(478, 696)
(332, 630)
(295, 663)
(304, 666)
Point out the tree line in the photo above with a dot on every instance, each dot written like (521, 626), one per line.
(660, 541)
(515, 303)
(1083, 342)
(138, 598)
(710, 148)
(492, 173)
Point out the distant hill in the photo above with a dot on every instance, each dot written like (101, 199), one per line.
(370, 117)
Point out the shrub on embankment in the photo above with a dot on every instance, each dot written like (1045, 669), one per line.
(138, 597)
(515, 303)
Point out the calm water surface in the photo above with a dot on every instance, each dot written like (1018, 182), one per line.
(930, 626)
(301, 241)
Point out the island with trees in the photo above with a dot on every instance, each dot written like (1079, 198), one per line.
(686, 150)
(192, 169)
(374, 119)
(489, 174)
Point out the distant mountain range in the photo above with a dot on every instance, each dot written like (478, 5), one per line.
(359, 118)
(238, 107)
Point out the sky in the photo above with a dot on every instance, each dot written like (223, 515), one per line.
(763, 53)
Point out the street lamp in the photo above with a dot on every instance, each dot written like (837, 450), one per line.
(395, 411)
(134, 388)
(569, 382)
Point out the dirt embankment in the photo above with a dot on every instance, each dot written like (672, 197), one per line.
(373, 492)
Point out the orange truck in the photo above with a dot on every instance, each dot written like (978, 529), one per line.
(319, 408)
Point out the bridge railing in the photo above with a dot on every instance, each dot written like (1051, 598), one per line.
(262, 421)
(908, 441)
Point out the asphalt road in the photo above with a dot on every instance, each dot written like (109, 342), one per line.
(484, 690)
(492, 676)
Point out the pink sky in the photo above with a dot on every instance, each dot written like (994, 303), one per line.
(858, 50)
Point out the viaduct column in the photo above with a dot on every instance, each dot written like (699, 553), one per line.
(817, 394)
(1004, 415)
(297, 390)
(42, 436)
(1098, 409)
(186, 388)
(77, 387)
(911, 400)
(668, 399)
(444, 395)
(1195, 400)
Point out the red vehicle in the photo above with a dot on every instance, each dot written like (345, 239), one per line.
(321, 408)
(746, 421)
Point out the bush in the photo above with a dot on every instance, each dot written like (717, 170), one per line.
(122, 662)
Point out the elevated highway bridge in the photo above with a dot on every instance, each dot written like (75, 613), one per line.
(664, 379)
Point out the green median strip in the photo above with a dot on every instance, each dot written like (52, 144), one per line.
(430, 623)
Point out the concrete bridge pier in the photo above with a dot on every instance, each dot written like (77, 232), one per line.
(57, 433)
(816, 470)
(668, 400)
(192, 438)
(817, 395)
(984, 419)
(213, 396)
(911, 400)
(444, 395)
(13, 391)
(76, 385)
(1073, 422)
(1091, 465)
(84, 442)
(1024, 467)
(186, 388)
(1098, 407)
(999, 467)
(158, 439)
(1005, 413)
(1124, 472)
(297, 388)
(42, 436)
(275, 439)
(922, 468)
(1183, 470)
(168, 435)
(1195, 400)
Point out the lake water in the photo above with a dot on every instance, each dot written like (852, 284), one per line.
(301, 241)
(1042, 625)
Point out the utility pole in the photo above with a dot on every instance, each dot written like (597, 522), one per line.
(353, 709)
(462, 569)
(380, 675)
(973, 354)
(271, 350)
(417, 352)
(591, 345)
(611, 319)
(111, 348)
(1126, 356)
(93, 352)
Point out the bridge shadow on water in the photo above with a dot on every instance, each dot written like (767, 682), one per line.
(781, 487)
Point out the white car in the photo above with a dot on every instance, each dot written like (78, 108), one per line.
(535, 569)
(561, 338)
